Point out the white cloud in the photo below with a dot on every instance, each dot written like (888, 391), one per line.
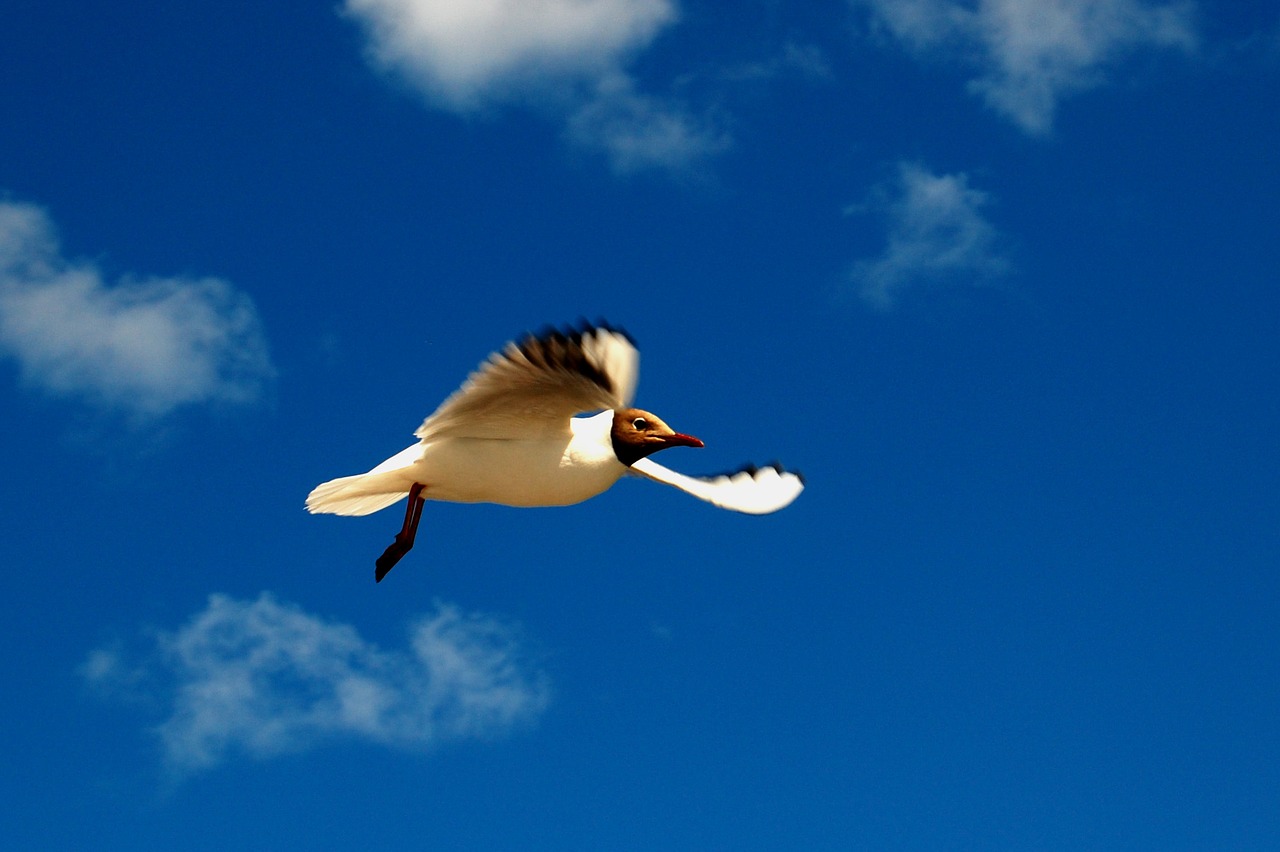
(637, 132)
(143, 347)
(462, 53)
(565, 56)
(937, 234)
(1034, 52)
(263, 678)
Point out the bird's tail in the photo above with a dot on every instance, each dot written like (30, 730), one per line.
(366, 493)
(362, 494)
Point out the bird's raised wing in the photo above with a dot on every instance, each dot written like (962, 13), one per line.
(532, 387)
(754, 490)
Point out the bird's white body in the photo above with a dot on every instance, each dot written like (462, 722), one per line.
(544, 470)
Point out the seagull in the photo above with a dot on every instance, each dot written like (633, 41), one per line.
(512, 435)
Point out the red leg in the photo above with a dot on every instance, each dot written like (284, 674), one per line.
(404, 539)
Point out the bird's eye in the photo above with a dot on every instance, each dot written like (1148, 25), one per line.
(640, 423)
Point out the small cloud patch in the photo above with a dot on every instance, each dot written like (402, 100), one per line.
(637, 132)
(262, 678)
(937, 235)
(1030, 55)
(143, 347)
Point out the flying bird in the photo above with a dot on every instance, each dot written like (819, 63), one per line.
(512, 435)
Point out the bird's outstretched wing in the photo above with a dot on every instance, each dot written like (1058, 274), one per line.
(754, 490)
(532, 387)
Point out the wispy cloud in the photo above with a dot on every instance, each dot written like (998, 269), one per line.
(637, 131)
(262, 678)
(937, 234)
(1032, 53)
(566, 56)
(141, 346)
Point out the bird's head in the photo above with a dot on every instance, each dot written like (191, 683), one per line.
(637, 433)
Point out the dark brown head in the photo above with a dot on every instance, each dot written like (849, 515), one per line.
(638, 433)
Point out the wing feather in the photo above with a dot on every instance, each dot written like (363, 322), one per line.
(753, 490)
(532, 387)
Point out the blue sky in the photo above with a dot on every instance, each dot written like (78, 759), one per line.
(1000, 277)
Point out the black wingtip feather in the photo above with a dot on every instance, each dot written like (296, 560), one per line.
(777, 465)
(561, 349)
(604, 325)
(575, 331)
(751, 470)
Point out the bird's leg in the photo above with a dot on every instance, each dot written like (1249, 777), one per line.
(404, 539)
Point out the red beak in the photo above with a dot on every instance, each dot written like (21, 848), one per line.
(679, 439)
